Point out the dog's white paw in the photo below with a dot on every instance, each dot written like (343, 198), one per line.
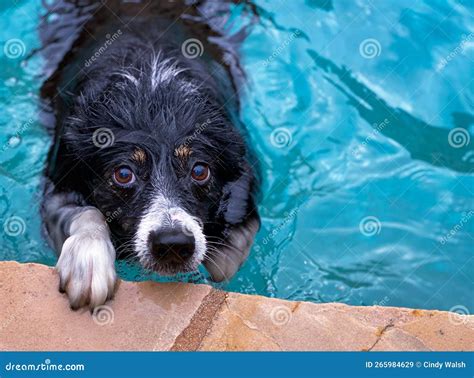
(86, 266)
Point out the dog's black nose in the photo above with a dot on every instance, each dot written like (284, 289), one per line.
(171, 243)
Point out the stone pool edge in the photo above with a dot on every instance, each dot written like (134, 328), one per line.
(189, 317)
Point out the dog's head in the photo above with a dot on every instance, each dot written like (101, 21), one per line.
(164, 150)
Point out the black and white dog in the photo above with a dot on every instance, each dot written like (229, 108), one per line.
(147, 162)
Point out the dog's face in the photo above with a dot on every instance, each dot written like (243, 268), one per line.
(174, 166)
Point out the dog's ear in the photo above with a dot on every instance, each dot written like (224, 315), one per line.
(238, 213)
(237, 198)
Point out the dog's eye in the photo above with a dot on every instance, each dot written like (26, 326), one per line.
(200, 172)
(124, 176)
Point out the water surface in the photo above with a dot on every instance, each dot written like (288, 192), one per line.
(362, 115)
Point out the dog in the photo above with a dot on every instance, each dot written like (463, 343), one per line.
(148, 162)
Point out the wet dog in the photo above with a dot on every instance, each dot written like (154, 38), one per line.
(148, 161)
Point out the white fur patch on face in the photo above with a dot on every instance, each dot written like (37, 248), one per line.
(86, 264)
(163, 212)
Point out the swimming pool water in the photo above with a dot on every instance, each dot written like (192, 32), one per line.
(362, 114)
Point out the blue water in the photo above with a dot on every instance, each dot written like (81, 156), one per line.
(362, 114)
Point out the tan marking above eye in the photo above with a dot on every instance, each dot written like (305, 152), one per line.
(139, 155)
(183, 152)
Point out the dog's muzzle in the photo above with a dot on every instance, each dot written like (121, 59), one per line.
(171, 244)
(168, 239)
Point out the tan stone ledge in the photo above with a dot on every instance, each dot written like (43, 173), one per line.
(177, 316)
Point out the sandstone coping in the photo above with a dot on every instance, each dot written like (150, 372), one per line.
(188, 317)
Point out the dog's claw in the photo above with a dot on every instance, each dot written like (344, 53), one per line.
(73, 308)
(61, 288)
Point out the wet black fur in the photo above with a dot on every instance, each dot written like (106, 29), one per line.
(156, 121)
